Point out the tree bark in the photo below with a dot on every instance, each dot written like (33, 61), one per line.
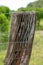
(21, 38)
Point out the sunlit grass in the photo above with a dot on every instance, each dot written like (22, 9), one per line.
(2, 57)
(37, 51)
(3, 47)
(41, 23)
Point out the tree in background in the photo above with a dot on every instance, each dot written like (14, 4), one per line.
(4, 27)
(5, 10)
(4, 23)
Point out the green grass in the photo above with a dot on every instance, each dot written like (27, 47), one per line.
(37, 51)
(2, 57)
(3, 50)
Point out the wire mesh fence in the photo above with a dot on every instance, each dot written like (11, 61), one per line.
(4, 40)
(36, 53)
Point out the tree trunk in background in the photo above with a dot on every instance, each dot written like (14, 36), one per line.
(21, 38)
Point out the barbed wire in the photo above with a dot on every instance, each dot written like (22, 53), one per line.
(7, 13)
(14, 42)
(18, 12)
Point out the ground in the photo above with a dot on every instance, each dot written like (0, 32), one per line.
(37, 50)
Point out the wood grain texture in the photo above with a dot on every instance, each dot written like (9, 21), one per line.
(21, 38)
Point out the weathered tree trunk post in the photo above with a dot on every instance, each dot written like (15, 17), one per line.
(21, 38)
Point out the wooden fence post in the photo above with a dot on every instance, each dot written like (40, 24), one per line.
(21, 38)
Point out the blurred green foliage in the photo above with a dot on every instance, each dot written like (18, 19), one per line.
(4, 23)
(5, 10)
(5, 16)
(36, 6)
